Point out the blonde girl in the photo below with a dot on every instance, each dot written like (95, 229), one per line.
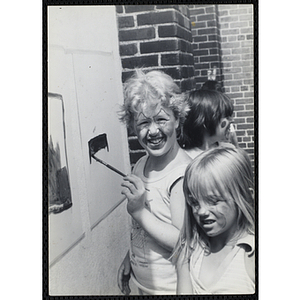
(154, 110)
(215, 252)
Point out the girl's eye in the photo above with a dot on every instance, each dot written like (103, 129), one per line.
(214, 200)
(162, 121)
(193, 203)
(142, 123)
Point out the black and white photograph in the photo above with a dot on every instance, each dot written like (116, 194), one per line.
(151, 149)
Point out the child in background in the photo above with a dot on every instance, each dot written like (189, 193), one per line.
(215, 252)
(208, 123)
(154, 109)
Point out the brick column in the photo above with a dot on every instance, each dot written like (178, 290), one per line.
(236, 30)
(156, 37)
(206, 41)
(223, 38)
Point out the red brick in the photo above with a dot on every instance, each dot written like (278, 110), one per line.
(248, 94)
(210, 9)
(244, 126)
(231, 45)
(223, 26)
(119, 9)
(231, 57)
(197, 25)
(246, 30)
(235, 89)
(205, 17)
(235, 95)
(125, 21)
(246, 139)
(140, 61)
(138, 8)
(232, 38)
(239, 120)
(213, 51)
(229, 31)
(159, 46)
(207, 31)
(197, 11)
(187, 85)
(212, 23)
(176, 59)
(202, 66)
(241, 50)
(240, 132)
(199, 39)
(229, 19)
(241, 63)
(238, 107)
(136, 34)
(249, 107)
(245, 114)
(244, 88)
(174, 31)
(247, 17)
(209, 58)
(167, 6)
(201, 52)
(244, 101)
(187, 72)
(239, 24)
(240, 11)
(247, 43)
(156, 18)
(129, 49)
(162, 17)
(213, 37)
(207, 45)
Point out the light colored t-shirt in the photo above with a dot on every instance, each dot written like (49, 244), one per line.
(153, 272)
(231, 276)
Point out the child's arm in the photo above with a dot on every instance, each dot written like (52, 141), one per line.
(165, 234)
(184, 284)
(177, 204)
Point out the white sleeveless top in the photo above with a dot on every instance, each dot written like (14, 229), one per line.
(231, 276)
(153, 272)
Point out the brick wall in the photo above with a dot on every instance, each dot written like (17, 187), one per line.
(223, 37)
(186, 41)
(206, 41)
(236, 30)
(156, 37)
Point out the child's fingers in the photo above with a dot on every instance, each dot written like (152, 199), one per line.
(135, 181)
(130, 186)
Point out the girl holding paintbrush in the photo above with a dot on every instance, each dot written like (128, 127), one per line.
(154, 109)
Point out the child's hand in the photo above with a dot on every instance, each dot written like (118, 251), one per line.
(124, 276)
(134, 190)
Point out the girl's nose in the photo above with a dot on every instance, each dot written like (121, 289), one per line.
(153, 128)
(203, 210)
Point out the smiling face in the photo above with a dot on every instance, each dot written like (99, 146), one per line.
(155, 127)
(215, 215)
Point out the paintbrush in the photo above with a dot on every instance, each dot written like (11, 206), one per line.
(97, 143)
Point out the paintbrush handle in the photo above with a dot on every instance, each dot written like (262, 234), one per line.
(108, 165)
